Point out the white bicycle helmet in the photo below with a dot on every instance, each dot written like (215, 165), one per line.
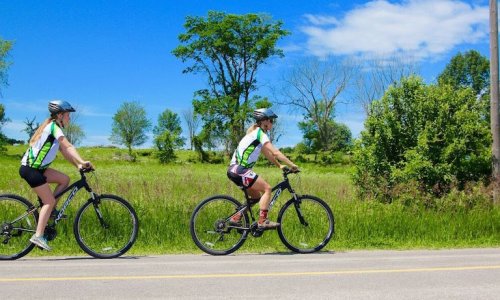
(57, 106)
(262, 114)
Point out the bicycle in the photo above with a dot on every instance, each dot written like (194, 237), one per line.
(105, 226)
(307, 222)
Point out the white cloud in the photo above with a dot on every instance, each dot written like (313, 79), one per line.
(420, 28)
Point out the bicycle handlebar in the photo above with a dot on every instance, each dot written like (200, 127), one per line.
(287, 170)
(86, 170)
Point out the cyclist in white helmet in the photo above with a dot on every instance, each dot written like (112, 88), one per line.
(44, 143)
(245, 157)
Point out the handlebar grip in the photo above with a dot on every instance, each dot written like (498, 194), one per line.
(86, 170)
(287, 170)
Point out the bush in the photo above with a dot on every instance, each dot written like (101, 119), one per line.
(432, 137)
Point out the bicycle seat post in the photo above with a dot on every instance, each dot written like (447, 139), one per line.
(247, 198)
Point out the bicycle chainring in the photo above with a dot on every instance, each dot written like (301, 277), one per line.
(255, 231)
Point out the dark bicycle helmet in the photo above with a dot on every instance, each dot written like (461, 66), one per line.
(262, 114)
(58, 106)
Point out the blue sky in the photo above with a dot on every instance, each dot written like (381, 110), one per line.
(98, 54)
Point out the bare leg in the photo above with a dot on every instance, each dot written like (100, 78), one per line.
(261, 186)
(59, 178)
(49, 202)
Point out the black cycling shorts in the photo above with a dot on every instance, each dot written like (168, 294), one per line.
(34, 177)
(244, 178)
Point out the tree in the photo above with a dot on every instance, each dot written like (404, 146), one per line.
(468, 70)
(168, 135)
(74, 133)
(377, 74)
(314, 88)
(229, 49)
(31, 127)
(130, 125)
(434, 135)
(193, 122)
(340, 136)
(3, 120)
(5, 47)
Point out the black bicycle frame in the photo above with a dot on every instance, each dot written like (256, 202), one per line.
(284, 185)
(74, 187)
(277, 190)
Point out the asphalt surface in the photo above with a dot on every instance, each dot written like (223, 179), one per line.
(427, 274)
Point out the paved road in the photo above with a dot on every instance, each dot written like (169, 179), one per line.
(439, 274)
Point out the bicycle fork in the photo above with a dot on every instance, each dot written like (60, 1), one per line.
(95, 204)
(296, 204)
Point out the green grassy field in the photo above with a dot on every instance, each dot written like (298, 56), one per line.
(164, 197)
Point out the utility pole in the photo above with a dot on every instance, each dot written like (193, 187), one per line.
(495, 124)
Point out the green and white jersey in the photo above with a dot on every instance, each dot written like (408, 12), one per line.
(43, 152)
(248, 150)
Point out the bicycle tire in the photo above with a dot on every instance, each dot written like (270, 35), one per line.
(16, 231)
(312, 235)
(209, 228)
(110, 235)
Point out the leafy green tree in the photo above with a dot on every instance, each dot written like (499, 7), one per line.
(3, 120)
(74, 133)
(130, 125)
(168, 136)
(342, 138)
(470, 69)
(434, 135)
(5, 47)
(229, 49)
(339, 136)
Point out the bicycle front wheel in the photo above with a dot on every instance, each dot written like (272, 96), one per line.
(307, 224)
(106, 227)
(18, 220)
(210, 227)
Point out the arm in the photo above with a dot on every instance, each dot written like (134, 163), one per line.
(69, 152)
(275, 156)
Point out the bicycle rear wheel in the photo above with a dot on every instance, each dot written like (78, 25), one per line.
(210, 228)
(307, 224)
(106, 227)
(18, 220)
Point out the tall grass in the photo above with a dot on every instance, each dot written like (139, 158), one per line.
(164, 197)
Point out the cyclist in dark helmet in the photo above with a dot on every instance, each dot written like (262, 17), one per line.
(245, 157)
(44, 143)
